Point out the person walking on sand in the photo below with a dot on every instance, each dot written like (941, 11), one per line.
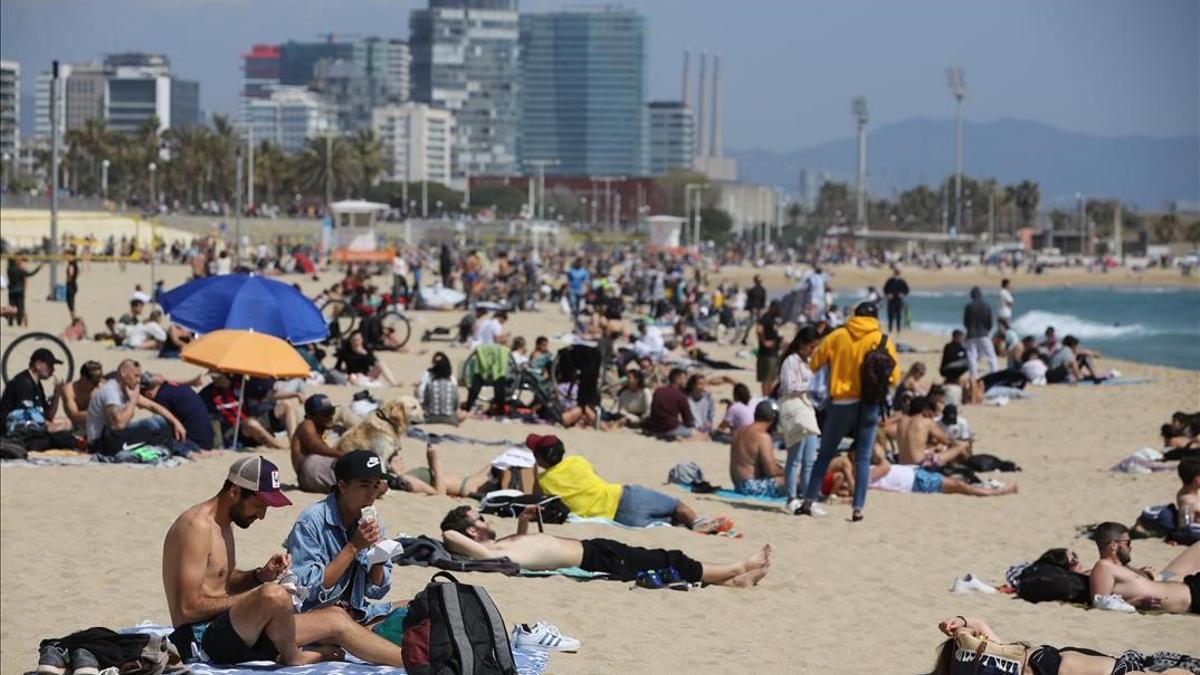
(1007, 301)
(977, 319)
(846, 350)
(896, 290)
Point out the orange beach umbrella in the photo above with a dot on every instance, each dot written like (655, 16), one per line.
(245, 352)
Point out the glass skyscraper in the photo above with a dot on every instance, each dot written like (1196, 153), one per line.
(464, 59)
(583, 96)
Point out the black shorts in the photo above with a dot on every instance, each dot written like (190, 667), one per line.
(623, 562)
(1192, 581)
(223, 645)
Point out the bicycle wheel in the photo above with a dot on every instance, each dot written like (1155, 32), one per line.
(396, 329)
(341, 318)
(16, 355)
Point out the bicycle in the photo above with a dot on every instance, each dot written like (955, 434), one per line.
(389, 330)
(18, 352)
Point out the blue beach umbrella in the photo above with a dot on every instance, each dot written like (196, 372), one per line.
(245, 302)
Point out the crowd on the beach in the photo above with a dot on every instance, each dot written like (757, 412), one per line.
(830, 395)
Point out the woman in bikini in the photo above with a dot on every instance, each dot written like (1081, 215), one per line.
(431, 480)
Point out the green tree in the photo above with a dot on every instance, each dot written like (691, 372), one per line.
(1164, 229)
(274, 170)
(368, 159)
(1026, 196)
(834, 203)
(918, 209)
(506, 200)
(715, 224)
(1192, 234)
(562, 202)
(327, 161)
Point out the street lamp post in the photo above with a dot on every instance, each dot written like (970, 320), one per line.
(859, 106)
(153, 193)
(540, 202)
(692, 203)
(104, 164)
(4, 171)
(958, 87)
(237, 205)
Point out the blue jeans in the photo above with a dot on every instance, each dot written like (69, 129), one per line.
(800, 459)
(575, 300)
(641, 506)
(840, 422)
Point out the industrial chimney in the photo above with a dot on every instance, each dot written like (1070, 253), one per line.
(701, 102)
(714, 147)
(687, 85)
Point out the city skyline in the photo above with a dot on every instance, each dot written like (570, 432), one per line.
(1101, 68)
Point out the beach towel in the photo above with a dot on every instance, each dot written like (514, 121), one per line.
(431, 437)
(491, 363)
(45, 459)
(1115, 381)
(597, 520)
(528, 661)
(572, 572)
(733, 495)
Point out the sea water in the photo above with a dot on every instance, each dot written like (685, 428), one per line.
(1148, 325)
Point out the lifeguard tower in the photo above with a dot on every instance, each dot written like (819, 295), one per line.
(664, 232)
(354, 237)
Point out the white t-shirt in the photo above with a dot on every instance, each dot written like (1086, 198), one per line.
(399, 266)
(138, 335)
(109, 393)
(959, 431)
(1034, 370)
(488, 331)
(898, 479)
(224, 265)
(1006, 304)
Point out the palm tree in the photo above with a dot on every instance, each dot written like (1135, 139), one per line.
(327, 163)
(189, 162)
(1026, 197)
(368, 158)
(274, 169)
(222, 147)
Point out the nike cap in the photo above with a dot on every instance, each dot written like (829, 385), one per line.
(358, 464)
(261, 476)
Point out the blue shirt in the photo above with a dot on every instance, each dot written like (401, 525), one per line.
(578, 279)
(315, 540)
(187, 407)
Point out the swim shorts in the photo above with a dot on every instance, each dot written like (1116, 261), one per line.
(927, 481)
(760, 487)
(220, 644)
(1193, 583)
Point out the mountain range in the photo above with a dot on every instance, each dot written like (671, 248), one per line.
(1143, 172)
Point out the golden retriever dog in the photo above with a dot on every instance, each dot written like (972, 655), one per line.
(380, 431)
(413, 409)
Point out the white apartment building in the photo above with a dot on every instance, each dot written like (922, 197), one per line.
(417, 142)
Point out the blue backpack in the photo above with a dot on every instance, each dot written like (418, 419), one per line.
(24, 419)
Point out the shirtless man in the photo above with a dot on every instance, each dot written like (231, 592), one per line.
(921, 441)
(466, 533)
(1175, 590)
(1187, 499)
(77, 395)
(312, 457)
(238, 615)
(752, 464)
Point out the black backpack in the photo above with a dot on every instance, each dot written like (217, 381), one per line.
(455, 629)
(1044, 582)
(876, 374)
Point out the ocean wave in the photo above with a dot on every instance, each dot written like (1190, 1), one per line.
(934, 327)
(1035, 323)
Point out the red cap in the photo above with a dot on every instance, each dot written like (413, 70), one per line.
(536, 442)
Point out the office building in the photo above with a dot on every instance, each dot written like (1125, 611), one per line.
(134, 95)
(465, 59)
(583, 98)
(83, 88)
(417, 142)
(672, 136)
(288, 116)
(343, 85)
(260, 69)
(10, 109)
(385, 63)
(298, 60)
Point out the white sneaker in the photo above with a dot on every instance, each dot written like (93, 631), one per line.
(793, 506)
(993, 484)
(543, 636)
(970, 583)
(1112, 602)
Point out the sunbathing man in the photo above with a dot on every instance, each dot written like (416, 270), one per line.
(432, 480)
(467, 533)
(903, 478)
(587, 495)
(1175, 590)
(752, 464)
(234, 615)
(922, 441)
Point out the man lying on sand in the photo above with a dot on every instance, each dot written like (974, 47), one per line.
(904, 478)
(587, 495)
(467, 533)
(234, 615)
(1175, 590)
(922, 441)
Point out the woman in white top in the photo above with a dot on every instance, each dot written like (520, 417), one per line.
(797, 418)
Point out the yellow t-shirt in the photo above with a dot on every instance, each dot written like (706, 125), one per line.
(576, 483)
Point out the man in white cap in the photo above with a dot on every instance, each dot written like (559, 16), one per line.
(227, 615)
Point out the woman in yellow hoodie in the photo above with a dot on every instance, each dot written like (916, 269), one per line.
(844, 350)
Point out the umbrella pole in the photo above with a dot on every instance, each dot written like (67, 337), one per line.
(237, 424)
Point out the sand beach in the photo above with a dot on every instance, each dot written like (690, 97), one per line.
(82, 546)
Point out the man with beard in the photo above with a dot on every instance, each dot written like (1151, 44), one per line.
(1175, 590)
(225, 615)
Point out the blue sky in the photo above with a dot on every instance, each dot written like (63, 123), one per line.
(789, 68)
